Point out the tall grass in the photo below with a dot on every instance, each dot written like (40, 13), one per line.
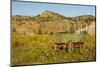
(36, 49)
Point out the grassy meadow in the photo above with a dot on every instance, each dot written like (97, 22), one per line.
(36, 49)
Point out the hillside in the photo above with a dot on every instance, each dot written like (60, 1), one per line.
(50, 22)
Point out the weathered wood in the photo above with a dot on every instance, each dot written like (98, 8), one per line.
(69, 46)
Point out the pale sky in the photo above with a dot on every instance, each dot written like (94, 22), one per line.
(33, 8)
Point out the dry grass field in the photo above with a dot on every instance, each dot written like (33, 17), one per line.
(36, 49)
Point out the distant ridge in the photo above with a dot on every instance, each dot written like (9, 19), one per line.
(49, 22)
